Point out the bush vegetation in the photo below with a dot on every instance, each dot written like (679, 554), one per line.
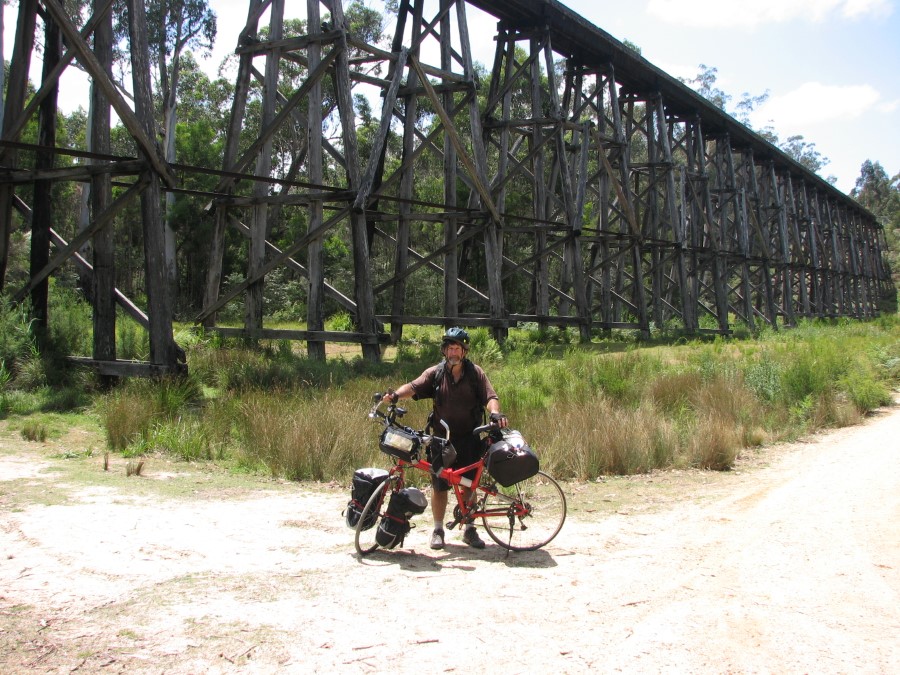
(613, 406)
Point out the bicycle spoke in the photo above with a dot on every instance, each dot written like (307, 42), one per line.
(530, 513)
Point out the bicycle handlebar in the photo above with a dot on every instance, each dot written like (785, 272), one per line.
(394, 411)
(484, 428)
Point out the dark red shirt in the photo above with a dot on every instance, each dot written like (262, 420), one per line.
(459, 404)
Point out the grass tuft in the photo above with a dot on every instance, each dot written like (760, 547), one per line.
(715, 443)
(34, 431)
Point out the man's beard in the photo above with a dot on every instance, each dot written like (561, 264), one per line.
(454, 360)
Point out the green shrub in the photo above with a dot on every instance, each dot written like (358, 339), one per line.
(483, 347)
(173, 395)
(419, 344)
(886, 359)
(32, 371)
(340, 321)
(254, 370)
(132, 340)
(21, 402)
(70, 322)
(75, 396)
(810, 369)
(764, 378)
(865, 391)
(187, 439)
(16, 340)
(621, 377)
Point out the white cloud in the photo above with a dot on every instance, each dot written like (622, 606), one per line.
(814, 103)
(679, 70)
(857, 8)
(730, 13)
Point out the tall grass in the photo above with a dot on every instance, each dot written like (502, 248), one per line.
(16, 339)
(601, 438)
(588, 410)
(305, 437)
(130, 413)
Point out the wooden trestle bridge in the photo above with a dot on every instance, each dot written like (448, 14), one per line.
(597, 195)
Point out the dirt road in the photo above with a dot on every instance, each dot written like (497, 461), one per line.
(789, 564)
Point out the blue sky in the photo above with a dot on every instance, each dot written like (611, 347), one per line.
(830, 66)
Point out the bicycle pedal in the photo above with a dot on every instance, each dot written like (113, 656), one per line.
(452, 524)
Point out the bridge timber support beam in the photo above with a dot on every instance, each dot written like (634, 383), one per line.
(569, 183)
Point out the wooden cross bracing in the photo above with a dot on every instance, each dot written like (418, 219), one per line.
(576, 185)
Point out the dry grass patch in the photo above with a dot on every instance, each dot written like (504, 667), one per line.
(599, 438)
(306, 438)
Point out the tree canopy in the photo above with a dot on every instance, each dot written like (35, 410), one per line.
(796, 146)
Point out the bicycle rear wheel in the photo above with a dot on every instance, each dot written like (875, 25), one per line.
(368, 520)
(535, 513)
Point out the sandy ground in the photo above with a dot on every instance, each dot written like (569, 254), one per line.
(789, 564)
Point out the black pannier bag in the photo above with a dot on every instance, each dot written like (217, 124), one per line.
(400, 442)
(511, 460)
(364, 483)
(395, 522)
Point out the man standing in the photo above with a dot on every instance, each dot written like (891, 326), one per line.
(460, 391)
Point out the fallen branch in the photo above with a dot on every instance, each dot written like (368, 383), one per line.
(380, 644)
(232, 659)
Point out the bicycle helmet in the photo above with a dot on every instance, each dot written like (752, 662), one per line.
(456, 334)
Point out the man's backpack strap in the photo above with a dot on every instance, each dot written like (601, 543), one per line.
(471, 375)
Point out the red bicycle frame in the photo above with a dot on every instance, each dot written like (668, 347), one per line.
(459, 482)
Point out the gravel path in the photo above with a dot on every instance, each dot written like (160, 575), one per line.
(791, 565)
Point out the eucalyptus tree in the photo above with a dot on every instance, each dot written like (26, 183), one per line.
(704, 83)
(798, 148)
(200, 139)
(174, 27)
(876, 190)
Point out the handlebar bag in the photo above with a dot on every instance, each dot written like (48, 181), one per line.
(364, 483)
(511, 460)
(395, 522)
(400, 442)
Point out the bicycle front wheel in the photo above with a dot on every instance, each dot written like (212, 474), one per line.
(534, 511)
(368, 520)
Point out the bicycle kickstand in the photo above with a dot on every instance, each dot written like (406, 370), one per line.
(512, 523)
